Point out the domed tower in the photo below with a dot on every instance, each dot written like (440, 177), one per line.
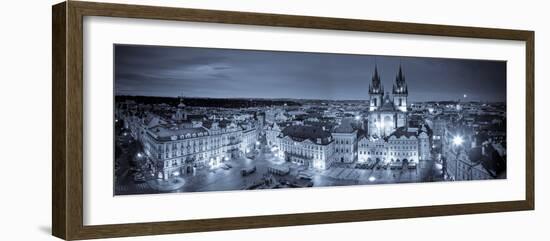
(181, 112)
(400, 92)
(376, 91)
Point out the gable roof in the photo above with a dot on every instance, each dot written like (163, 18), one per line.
(403, 131)
(387, 104)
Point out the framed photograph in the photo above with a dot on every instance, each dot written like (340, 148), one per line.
(171, 120)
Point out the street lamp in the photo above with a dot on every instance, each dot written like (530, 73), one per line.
(457, 140)
(139, 157)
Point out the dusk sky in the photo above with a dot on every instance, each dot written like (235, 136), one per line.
(227, 73)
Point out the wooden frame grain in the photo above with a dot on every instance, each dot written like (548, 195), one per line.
(67, 119)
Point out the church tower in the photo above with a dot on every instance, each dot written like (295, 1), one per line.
(376, 91)
(181, 112)
(400, 92)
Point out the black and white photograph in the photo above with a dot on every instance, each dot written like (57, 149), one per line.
(191, 119)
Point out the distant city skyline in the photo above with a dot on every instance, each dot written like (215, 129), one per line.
(230, 73)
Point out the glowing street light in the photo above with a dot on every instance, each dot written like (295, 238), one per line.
(372, 179)
(457, 140)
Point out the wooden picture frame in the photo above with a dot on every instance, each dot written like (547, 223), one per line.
(67, 123)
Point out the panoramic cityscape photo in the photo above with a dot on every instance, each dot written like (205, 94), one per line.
(189, 119)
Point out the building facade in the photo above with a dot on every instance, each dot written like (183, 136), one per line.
(178, 150)
(403, 145)
(310, 146)
(345, 142)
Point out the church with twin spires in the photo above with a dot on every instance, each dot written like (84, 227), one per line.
(389, 138)
(387, 113)
(383, 136)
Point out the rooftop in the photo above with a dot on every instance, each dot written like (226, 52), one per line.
(166, 133)
(404, 131)
(345, 127)
(312, 133)
(387, 104)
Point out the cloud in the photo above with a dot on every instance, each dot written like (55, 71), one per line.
(219, 73)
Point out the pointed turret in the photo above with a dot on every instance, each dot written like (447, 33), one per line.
(376, 91)
(400, 91)
(376, 87)
(400, 86)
